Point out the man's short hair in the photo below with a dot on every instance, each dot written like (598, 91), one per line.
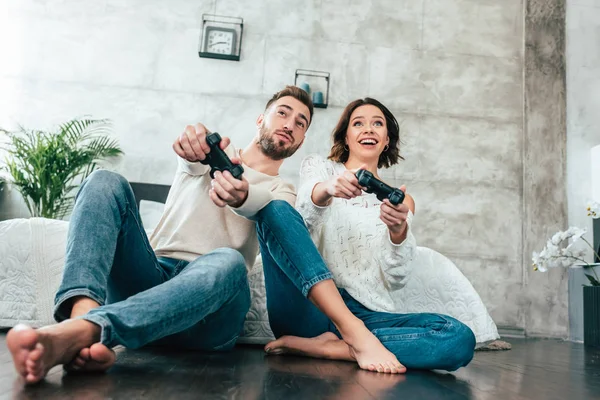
(298, 94)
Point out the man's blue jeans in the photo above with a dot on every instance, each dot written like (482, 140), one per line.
(144, 299)
(292, 265)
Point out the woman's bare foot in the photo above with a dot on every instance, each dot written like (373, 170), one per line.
(365, 348)
(35, 352)
(326, 345)
(98, 357)
(368, 351)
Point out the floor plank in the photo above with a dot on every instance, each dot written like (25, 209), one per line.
(533, 369)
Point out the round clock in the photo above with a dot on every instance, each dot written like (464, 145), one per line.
(220, 40)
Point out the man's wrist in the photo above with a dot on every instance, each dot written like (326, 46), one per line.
(241, 202)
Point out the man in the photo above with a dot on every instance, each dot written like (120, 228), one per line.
(187, 285)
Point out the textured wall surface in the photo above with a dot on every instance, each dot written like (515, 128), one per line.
(544, 164)
(451, 71)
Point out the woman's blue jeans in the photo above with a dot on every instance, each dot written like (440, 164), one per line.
(292, 265)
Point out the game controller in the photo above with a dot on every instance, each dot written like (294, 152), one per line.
(218, 160)
(381, 190)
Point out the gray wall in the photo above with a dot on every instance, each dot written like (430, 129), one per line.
(583, 126)
(451, 71)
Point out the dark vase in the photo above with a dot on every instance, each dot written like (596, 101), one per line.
(591, 316)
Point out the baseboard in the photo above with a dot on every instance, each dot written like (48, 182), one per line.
(511, 331)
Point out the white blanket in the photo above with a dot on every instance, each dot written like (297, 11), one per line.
(32, 255)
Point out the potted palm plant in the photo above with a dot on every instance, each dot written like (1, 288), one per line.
(47, 167)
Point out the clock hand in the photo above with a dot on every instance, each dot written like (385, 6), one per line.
(212, 44)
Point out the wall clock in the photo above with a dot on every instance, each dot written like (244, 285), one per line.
(221, 37)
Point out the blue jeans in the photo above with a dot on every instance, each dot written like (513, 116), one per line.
(292, 265)
(144, 299)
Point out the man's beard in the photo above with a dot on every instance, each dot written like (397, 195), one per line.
(273, 147)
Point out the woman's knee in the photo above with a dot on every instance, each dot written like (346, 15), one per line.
(461, 345)
(278, 211)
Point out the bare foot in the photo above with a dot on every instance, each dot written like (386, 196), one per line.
(326, 345)
(96, 358)
(368, 351)
(365, 348)
(35, 352)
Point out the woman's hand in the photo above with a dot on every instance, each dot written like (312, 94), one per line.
(344, 186)
(395, 216)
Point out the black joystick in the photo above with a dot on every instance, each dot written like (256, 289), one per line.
(218, 160)
(382, 190)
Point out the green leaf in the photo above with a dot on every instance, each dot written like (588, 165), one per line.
(592, 280)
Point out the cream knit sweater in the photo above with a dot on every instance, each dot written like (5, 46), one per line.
(354, 242)
(192, 225)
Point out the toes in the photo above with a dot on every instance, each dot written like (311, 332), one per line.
(387, 368)
(37, 353)
(78, 362)
(84, 354)
(102, 354)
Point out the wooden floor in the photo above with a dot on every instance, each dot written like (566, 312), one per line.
(533, 369)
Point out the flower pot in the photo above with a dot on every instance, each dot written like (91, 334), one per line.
(591, 316)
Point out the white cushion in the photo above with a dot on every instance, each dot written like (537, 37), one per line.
(150, 213)
(31, 265)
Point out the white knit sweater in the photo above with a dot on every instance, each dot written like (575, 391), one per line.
(352, 239)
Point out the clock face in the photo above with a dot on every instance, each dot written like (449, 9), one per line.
(220, 41)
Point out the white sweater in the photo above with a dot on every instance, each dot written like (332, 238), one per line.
(192, 225)
(354, 242)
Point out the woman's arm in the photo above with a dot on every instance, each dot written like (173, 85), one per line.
(399, 244)
(313, 171)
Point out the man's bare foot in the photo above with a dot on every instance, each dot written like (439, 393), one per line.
(368, 351)
(326, 345)
(96, 358)
(35, 352)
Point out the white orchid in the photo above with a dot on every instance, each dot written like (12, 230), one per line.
(593, 209)
(564, 249)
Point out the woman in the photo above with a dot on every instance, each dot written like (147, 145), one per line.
(368, 246)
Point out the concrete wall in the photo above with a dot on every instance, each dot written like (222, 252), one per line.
(451, 71)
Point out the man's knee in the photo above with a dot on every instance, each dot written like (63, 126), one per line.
(233, 262)
(105, 181)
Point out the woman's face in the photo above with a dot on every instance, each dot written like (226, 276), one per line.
(367, 133)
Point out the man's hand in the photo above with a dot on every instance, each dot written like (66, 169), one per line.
(394, 216)
(226, 190)
(191, 144)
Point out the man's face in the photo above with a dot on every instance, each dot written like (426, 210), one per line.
(282, 128)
